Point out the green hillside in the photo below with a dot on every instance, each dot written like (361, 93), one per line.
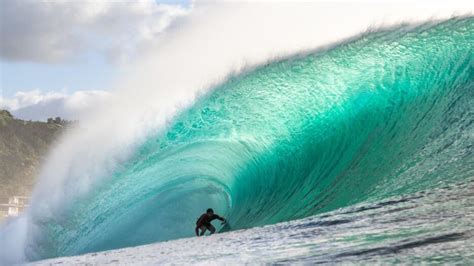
(23, 145)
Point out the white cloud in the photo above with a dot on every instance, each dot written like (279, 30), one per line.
(36, 105)
(53, 31)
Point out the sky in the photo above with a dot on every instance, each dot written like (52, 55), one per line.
(54, 53)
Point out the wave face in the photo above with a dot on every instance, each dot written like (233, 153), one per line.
(388, 114)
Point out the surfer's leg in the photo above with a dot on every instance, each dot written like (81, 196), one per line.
(203, 230)
(212, 229)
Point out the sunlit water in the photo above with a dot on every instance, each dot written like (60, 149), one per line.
(435, 226)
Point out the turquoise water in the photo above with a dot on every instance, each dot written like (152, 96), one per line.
(386, 115)
(424, 227)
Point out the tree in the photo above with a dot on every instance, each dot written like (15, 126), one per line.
(6, 113)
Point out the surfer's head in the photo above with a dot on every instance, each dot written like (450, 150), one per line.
(210, 211)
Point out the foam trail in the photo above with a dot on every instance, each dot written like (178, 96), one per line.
(198, 51)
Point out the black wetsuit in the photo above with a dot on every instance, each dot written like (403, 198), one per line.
(206, 220)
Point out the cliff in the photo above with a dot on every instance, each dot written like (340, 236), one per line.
(23, 145)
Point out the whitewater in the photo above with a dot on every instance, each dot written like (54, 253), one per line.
(322, 148)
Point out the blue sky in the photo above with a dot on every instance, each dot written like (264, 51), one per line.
(55, 49)
(89, 71)
(93, 73)
(82, 72)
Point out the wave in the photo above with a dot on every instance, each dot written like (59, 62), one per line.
(387, 114)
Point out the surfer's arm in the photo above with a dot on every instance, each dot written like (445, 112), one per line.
(221, 219)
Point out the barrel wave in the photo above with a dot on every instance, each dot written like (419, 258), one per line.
(389, 113)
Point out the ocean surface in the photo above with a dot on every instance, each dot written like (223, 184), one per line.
(358, 153)
(423, 227)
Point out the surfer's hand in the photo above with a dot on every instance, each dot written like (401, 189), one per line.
(224, 222)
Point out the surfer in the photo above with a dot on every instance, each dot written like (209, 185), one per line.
(204, 222)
